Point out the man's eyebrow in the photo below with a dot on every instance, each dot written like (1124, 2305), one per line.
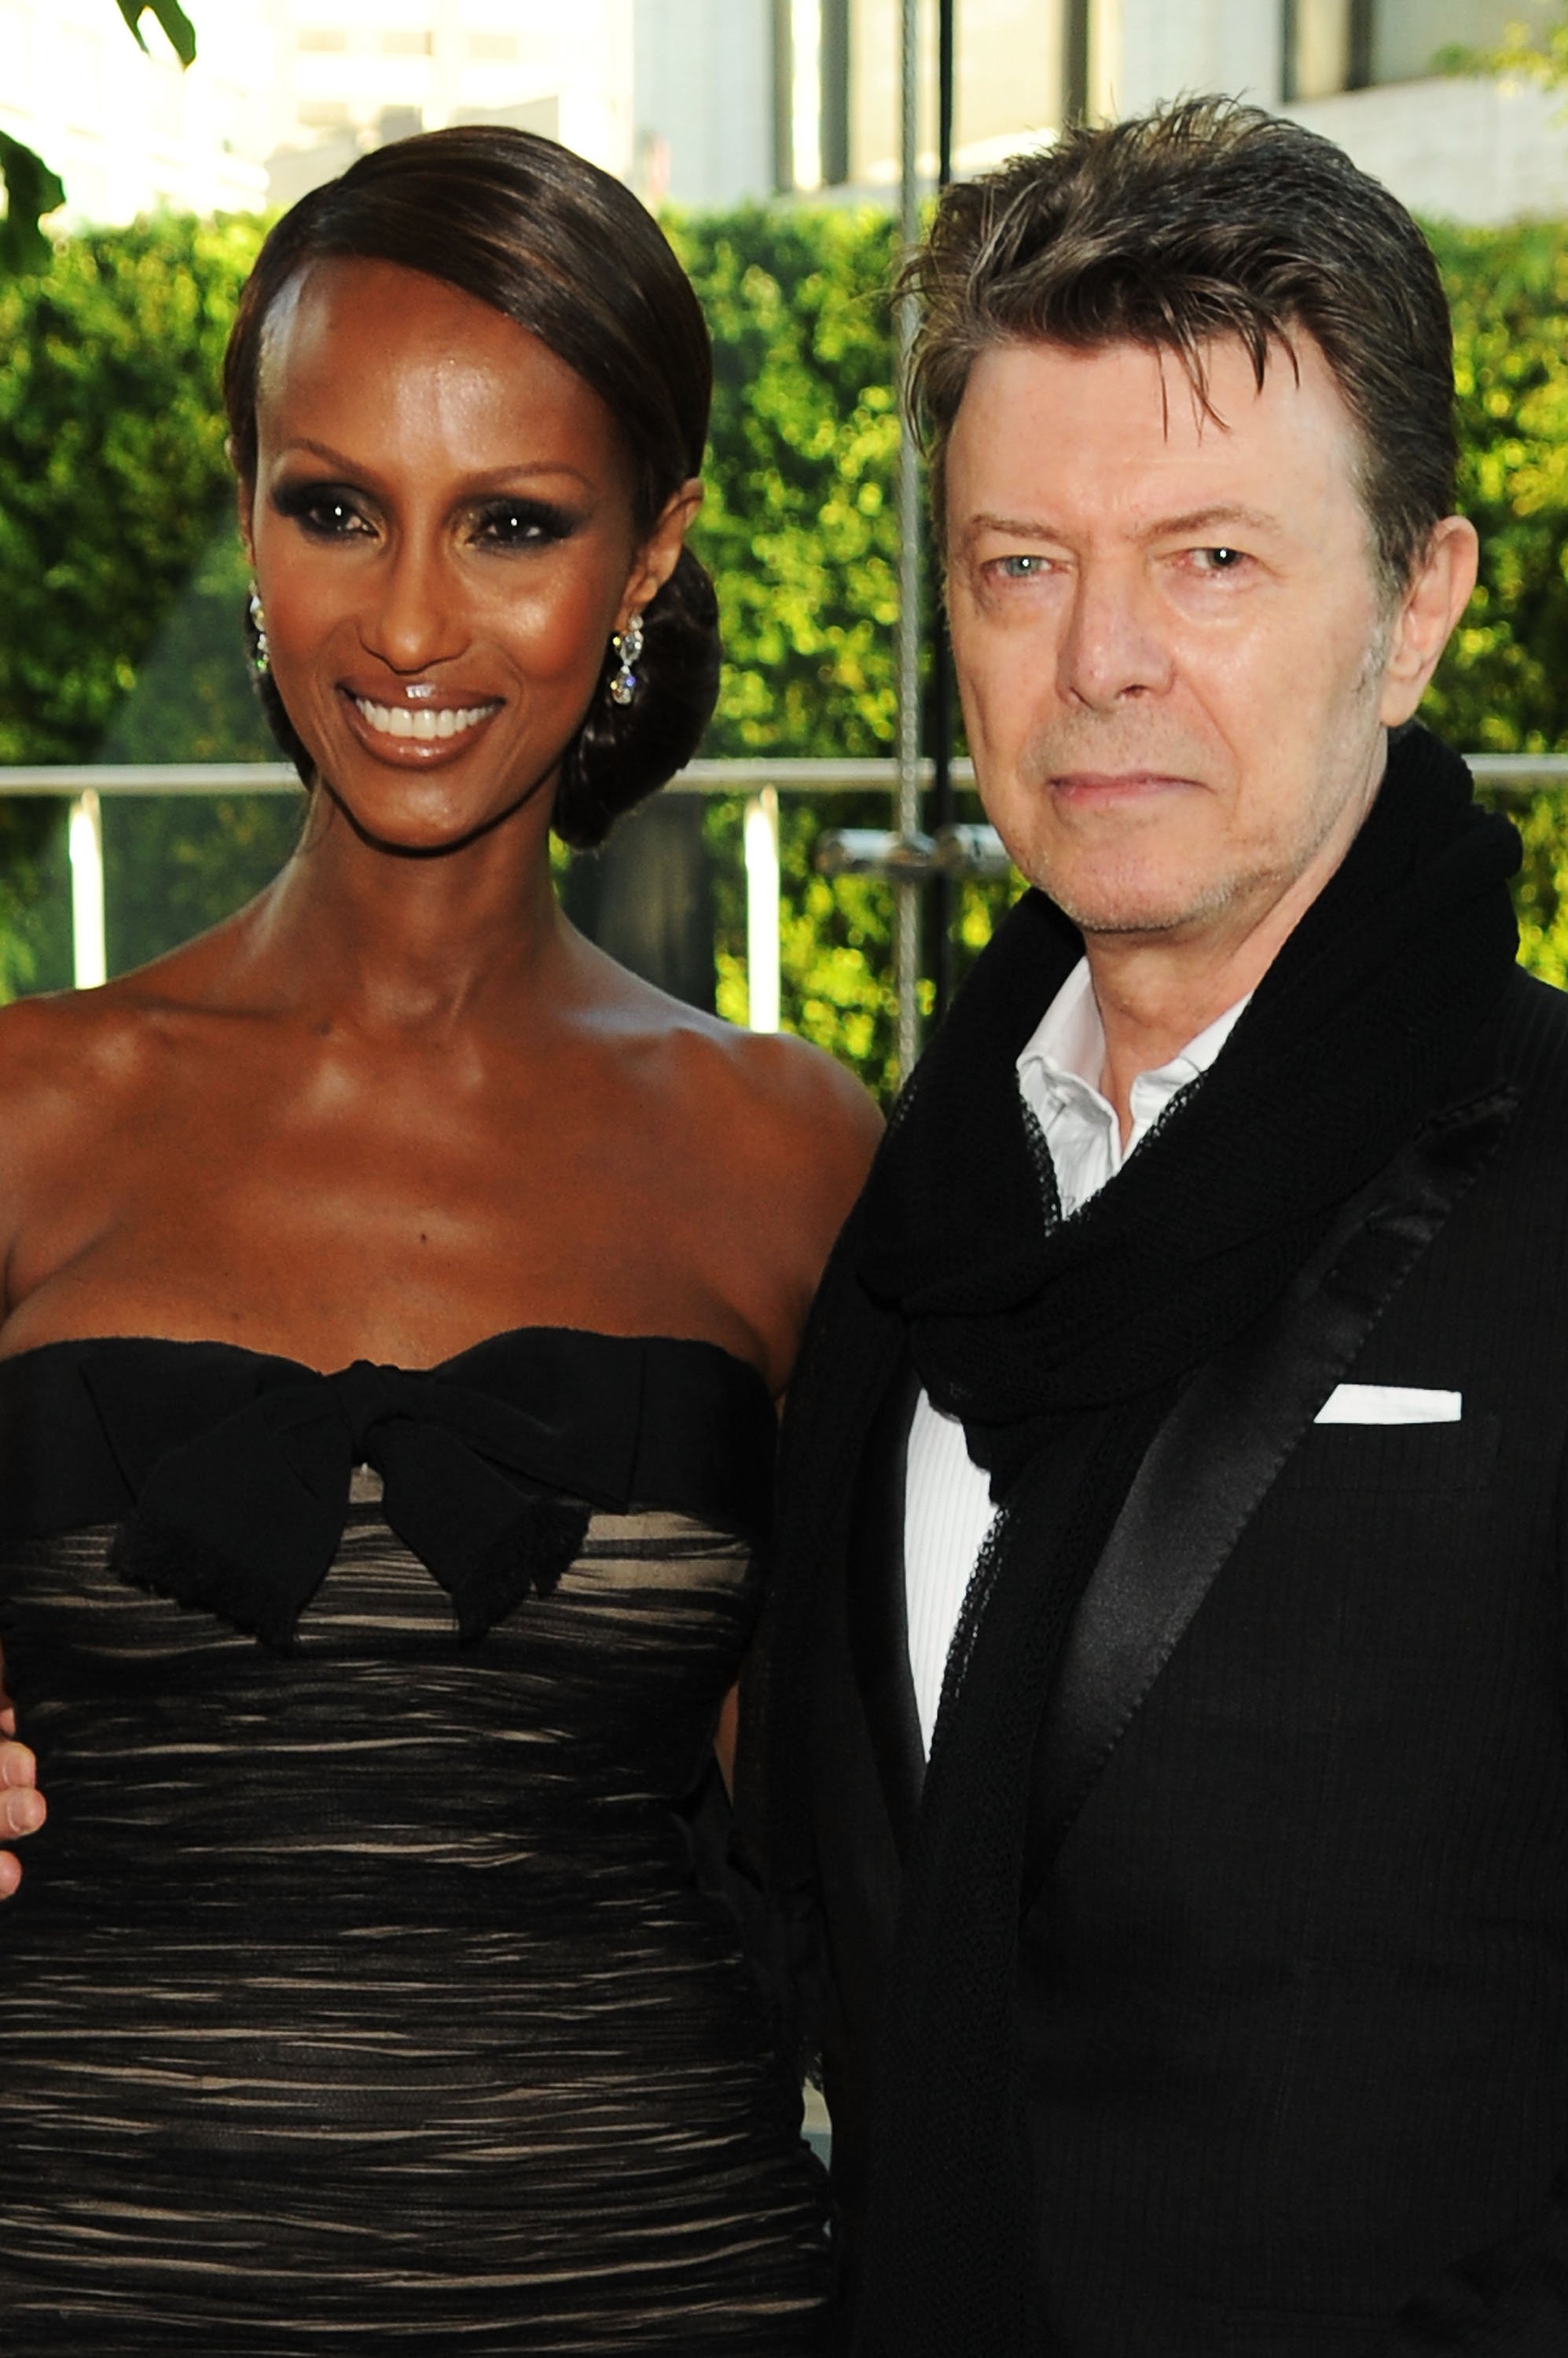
(1014, 527)
(1210, 519)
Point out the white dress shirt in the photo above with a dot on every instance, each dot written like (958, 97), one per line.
(948, 1505)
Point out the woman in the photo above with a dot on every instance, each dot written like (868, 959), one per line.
(395, 1293)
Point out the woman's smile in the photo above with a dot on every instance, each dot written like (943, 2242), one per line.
(421, 733)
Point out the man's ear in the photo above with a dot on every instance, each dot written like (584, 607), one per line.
(1438, 593)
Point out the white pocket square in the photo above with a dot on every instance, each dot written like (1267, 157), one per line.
(1388, 1404)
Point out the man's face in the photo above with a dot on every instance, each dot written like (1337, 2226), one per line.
(1171, 643)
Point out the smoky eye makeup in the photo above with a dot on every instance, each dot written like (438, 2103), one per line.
(515, 523)
(326, 509)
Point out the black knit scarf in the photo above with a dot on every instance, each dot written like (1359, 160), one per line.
(1060, 1343)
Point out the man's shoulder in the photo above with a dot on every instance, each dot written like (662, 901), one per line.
(1532, 1034)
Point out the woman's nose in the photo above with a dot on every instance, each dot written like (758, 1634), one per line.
(414, 620)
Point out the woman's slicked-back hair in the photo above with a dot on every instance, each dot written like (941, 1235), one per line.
(547, 239)
(1204, 221)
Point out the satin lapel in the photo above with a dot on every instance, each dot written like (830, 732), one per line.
(1212, 1460)
(878, 1620)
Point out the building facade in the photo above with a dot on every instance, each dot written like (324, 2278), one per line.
(1370, 73)
(713, 103)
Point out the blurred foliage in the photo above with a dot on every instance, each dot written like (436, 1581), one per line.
(113, 476)
(800, 528)
(1503, 685)
(121, 578)
(31, 189)
(1522, 55)
(116, 538)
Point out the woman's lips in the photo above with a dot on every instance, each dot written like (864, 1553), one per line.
(417, 732)
(418, 720)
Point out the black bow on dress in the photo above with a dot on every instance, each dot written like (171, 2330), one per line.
(244, 1515)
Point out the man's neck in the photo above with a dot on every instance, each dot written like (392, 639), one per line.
(1145, 1030)
(1156, 993)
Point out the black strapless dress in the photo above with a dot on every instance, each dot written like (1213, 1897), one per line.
(361, 1992)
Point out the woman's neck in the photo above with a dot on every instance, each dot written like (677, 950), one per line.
(351, 932)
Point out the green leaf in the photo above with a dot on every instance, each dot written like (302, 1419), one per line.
(31, 189)
(172, 16)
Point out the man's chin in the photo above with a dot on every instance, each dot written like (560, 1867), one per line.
(1130, 907)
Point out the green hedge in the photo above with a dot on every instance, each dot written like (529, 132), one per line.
(1503, 685)
(120, 580)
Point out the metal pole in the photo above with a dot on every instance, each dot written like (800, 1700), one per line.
(906, 905)
(761, 846)
(944, 809)
(86, 842)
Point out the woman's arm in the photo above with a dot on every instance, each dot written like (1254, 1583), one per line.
(30, 1092)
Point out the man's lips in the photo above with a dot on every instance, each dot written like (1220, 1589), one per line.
(1115, 785)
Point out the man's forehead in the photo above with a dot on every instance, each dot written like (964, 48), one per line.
(1198, 383)
(1127, 421)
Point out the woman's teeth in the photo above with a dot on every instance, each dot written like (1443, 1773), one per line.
(406, 721)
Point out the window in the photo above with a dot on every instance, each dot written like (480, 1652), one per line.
(317, 38)
(493, 49)
(405, 45)
(1329, 46)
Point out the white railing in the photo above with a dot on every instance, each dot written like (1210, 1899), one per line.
(905, 858)
(760, 781)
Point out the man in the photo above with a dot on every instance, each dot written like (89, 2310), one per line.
(1166, 1695)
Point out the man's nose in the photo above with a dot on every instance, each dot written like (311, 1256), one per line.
(413, 619)
(1113, 646)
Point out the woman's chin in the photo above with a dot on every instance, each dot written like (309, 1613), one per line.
(417, 816)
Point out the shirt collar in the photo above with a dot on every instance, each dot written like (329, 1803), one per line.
(1060, 1064)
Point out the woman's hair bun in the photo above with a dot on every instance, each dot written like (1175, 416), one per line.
(623, 752)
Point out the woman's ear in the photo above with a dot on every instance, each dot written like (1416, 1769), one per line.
(244, 501)
(660, 553)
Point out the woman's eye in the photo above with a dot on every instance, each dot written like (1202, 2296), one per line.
(520, 524)
(330, 515)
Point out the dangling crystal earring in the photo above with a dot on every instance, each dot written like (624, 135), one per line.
(628, 645)
(263, 657)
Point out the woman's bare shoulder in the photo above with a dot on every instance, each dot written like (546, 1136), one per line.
(754, 1093)
(43, 1039)
(67, 1060)
(787, 1118)
(816, 1104)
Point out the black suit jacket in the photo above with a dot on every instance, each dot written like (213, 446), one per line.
(1294, 2002)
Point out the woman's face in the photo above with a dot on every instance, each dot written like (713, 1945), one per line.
(442, 534)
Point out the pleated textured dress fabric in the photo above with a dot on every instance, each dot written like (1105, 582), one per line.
(362, 1992)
